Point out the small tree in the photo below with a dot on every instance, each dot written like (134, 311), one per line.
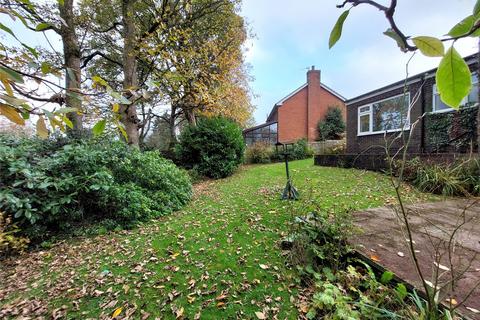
(332, 126)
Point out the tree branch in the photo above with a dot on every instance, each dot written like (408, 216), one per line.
(88, 58)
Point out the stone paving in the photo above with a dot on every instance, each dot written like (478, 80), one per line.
(382, 241)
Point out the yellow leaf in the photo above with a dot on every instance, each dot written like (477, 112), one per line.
(179, 313)
(67, 122)
(11, 114)
(117, 312)
(42, 130)
(115, 107)
(7, 86)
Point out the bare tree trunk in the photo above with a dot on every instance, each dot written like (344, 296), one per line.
(129, 112)
(190, 116)
(71, 51)
(172, 127)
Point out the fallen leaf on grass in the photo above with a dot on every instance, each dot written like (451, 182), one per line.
(221, 297)
(117, 312)
(264, 266)
(260, 315)
(472, 310)
(304, 307)
(441, 266)
(179, 313)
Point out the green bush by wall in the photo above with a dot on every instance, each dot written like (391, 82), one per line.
(264, 153)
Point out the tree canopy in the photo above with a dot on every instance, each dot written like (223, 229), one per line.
(123, 63)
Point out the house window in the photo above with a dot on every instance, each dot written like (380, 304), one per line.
(439, 106)
(266, 133)
(364, 119)
(391, 114)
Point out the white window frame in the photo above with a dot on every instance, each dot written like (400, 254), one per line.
(365, 113)
(370, 114)
(435, 92)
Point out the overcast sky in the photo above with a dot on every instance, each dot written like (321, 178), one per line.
(293, 35)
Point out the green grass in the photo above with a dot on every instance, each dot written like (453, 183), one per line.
(203, 260)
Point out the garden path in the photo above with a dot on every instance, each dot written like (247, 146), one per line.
(383, 243)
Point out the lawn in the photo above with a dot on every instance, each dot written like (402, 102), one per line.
(219, 258)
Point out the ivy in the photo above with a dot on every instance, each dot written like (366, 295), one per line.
(448, 130)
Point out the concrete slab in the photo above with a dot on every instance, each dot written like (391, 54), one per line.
(382, 240)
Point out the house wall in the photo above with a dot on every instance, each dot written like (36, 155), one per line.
(298, 116)
(422, 138)
(292, 117)
(374, 143)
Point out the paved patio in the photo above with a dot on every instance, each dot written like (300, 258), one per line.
(382, 242)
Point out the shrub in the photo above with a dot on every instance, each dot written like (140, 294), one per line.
(51, 186)
(10, 242)
(298, 151)
(259, 152)
(301, 150)
(321, 238)
(332, 126)
(456, 179)
(214, 147)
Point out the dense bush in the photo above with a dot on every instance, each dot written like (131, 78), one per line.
(52, 186)
(456, 179)
(214, 147)
(259, 152)
(332, 126)
(262, 152)
(298, 151)
(301, 150)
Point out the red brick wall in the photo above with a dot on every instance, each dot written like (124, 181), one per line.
(299, 115)
(292, 117)
(319, 109)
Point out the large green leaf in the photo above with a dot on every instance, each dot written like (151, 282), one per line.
(453, 78)
(337, 29)
(463, 27)
(42, 26)
(7, 29)
(476, 8)
(99, 127)
(392, 34)
(429, 46)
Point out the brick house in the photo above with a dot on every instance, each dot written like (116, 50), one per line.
(377, 117)
(296, 116)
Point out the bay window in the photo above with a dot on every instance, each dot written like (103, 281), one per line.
(391, 114)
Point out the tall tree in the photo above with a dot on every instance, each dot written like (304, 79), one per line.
(62, 19)
(72, 56)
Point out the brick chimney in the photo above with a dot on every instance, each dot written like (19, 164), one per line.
(313, 102)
